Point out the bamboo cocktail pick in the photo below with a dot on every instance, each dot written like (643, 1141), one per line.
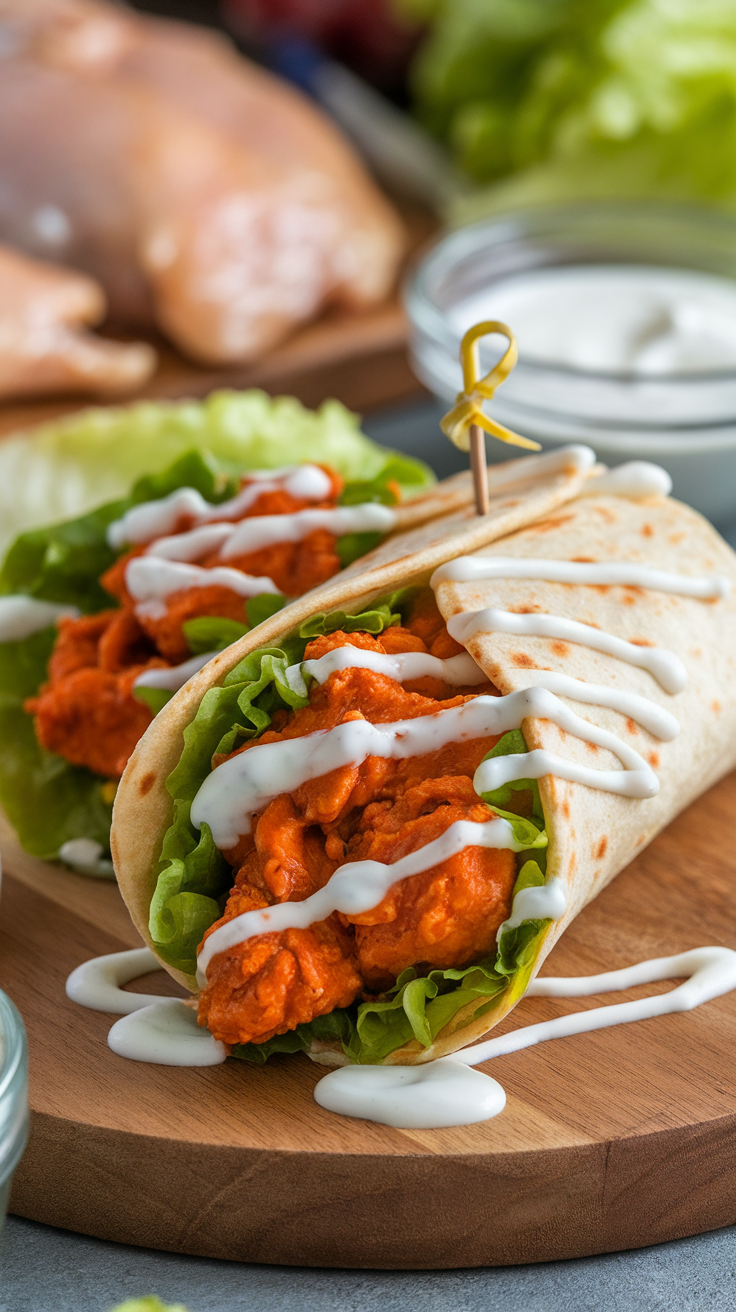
(466, 424)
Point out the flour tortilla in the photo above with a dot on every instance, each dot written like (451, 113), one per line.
(593, 834)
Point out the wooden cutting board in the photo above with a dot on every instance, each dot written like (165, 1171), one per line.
(609, 1140)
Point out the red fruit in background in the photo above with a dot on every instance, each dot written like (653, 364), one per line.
(367, 35)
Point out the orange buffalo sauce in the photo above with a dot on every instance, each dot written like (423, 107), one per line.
(86, 711)
(381, 810)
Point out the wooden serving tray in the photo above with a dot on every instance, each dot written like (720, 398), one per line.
(609, 1140)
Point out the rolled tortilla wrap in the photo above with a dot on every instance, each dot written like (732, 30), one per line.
(521, 491)
(592, 832)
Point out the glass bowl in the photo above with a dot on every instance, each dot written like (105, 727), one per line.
(685, 422)
(13, 1096)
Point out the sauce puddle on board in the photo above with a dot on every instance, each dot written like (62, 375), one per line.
(430, 1096)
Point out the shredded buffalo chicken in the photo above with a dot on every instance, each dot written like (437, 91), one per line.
(86, 711)
(380, 810)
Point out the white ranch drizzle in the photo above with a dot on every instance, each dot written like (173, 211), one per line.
(149, 579)
(86, 856)
(21, 616)
(152, 519)
(655, 719)
(663, 665)
(195, 544)
(546, 901)
(97, 983)
(463, 671)
(434, 1095)
(710, 972)
(154, 1029)
(175, 676)
(167, 1034)
(469, 569)
(459, 671)
(576, 457)
(445, 1098)
(243, 785)
(264, 530)
(355, 887)
(636, 480)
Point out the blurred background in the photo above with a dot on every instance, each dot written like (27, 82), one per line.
(255, 192)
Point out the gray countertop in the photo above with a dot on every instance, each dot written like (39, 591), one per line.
(48, 1270)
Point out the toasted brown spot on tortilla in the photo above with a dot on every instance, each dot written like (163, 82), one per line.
(641, 642)
(584, 560)
(523, 610)
(647, 531)
(605, 514)
(560, 649)
(676, 538)
(547, 525)
(601, 848)
(146, 783)
(653, 758)
(632, 728)
(523, 661)
(715, 706)
(565, 808)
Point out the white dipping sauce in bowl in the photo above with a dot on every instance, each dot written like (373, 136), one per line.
(614, 319)
(625, 315)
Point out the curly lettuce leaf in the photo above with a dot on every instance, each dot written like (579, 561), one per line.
(552, 100)
(419, 1006)
(512, 744)
(228, 716)
(67, 468)
(47, 800)
(63, 562)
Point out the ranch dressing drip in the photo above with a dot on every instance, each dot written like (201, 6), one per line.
(150, 579)
(663, 665)
(655, 719)
(97, 983)
(459, 671)
(469, 569)
(434, 1095)
(175, 676)
(153, 519)
(20, 616)
(191, 546)
(154, 1029)
(636, 480)
(168, 564)
(166, 1033)
(264, 530)
(443, 1097)
(356, 887)
(243, 785)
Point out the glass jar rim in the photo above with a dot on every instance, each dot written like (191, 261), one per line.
(13, 1040)
(462, 243)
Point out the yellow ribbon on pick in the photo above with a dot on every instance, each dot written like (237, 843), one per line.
(468, 407)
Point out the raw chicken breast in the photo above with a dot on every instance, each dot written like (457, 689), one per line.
(202, 192)
(43, 343)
